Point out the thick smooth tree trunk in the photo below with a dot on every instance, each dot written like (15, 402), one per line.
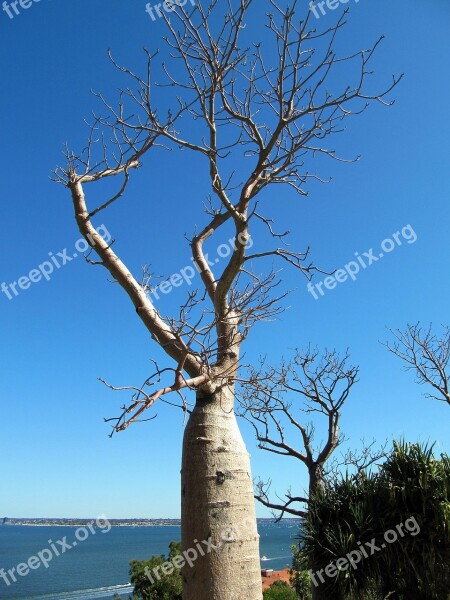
(218, 505)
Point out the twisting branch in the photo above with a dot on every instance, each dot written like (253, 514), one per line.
(427, 354)
(295, 259)
(141, 400)
(262, 494)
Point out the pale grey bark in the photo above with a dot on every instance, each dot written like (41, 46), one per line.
(217, 502)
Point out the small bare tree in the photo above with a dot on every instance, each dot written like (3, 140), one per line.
(287, 405)
(275, 401)
(426, 354)
(254, 113)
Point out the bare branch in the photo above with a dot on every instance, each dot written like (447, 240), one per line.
(284, 506)
(141, 400)
(427, 354)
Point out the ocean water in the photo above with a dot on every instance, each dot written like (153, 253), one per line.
(98, 566)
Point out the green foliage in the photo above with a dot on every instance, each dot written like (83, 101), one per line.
(411, 490)
(414, 483)
(279, 591)
(165, 586)
(300, 579)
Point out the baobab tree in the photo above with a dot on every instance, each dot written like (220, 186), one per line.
(427, 354)
(254, 113)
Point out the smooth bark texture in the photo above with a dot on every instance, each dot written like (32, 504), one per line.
(217, 503)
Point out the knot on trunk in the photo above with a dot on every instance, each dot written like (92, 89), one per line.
(220, 477)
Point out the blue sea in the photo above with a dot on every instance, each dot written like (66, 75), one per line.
(98, 566)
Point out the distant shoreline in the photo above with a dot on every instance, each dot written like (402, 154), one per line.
(113, 522)
(84, 522)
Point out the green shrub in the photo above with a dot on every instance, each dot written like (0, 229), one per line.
(279, 591)
(164, 587)
(300, 579)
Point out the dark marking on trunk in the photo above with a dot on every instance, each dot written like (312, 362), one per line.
(220, 504)
(220, 477)
(202, 398)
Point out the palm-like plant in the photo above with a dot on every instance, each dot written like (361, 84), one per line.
(413, 483)
(411, 487)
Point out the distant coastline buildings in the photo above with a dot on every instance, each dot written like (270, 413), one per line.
(70, 522)
(114, 522)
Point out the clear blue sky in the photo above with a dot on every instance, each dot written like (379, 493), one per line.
(59, 336)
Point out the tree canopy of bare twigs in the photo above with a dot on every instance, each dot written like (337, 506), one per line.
(427, 354)
(256, 114)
